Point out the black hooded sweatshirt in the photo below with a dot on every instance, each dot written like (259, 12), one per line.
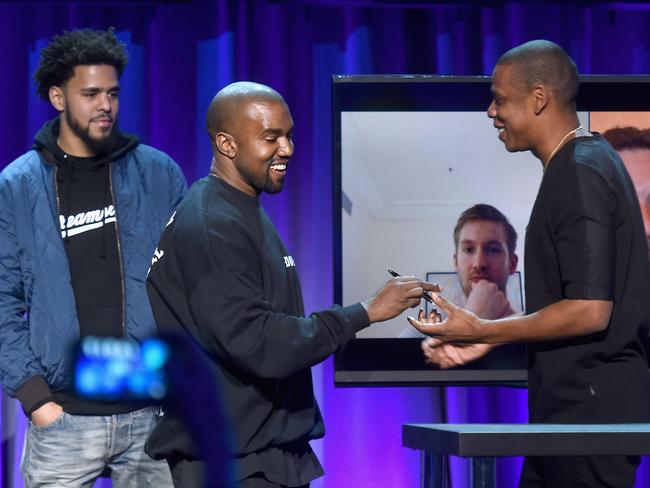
(87, 219)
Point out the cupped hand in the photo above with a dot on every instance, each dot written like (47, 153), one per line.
(460, 325)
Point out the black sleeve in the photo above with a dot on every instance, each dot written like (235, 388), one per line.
(235, 319)
(582, 216)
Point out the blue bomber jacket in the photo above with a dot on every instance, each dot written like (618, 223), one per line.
(38, 319)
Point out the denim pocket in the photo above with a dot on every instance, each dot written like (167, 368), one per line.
(146, 411)
(53, 425)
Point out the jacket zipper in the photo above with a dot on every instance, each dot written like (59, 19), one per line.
(58, 202)
(119, 246)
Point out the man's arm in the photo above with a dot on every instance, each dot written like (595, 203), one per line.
(583, 229)
(234, 314)
(240, 325)
(20, 372)
(177, 184)
(560, 320)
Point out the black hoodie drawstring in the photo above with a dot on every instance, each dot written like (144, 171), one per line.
(108, 202)
(66, 211)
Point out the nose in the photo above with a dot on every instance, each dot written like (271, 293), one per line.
(480, 260)
(286, 147)
(492, 110)
(105, 102)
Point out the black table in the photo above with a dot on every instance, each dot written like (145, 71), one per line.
(483, 442)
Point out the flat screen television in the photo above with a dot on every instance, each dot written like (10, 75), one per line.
(410, 153)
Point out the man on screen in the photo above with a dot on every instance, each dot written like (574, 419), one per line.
(586, 270)
(633, 146)
(484, 259)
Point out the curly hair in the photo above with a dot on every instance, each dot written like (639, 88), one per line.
(73, 48)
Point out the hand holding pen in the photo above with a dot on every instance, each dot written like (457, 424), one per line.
(396, 296)
(425, 295)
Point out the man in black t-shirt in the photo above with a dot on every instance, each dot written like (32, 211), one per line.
(223, 275)
(586, 270)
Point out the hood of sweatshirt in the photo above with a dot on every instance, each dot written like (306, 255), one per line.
(45, 142)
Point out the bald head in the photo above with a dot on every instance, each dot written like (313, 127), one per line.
(251, 132)
(544, 62)
(228, 107)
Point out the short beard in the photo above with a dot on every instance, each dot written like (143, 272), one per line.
(272, 188)
(96, 146)
(269, 186)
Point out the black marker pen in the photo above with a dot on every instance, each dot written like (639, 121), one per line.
(425, 295)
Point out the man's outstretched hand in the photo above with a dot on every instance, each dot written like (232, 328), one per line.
(460, 325)
(395, 296)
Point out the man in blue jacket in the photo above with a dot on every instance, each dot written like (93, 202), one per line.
(80, 216)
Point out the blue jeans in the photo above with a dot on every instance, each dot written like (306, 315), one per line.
(75, 449)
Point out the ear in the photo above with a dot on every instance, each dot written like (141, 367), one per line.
(225, 144)
(514, 260)
(540, 97)
(456, 262)
(57, 98)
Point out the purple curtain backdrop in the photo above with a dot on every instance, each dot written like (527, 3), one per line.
(182, 53)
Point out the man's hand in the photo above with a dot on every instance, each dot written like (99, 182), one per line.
(446, 355)
(460, 326)
(46, 414)
(487, 301)
(395, 296)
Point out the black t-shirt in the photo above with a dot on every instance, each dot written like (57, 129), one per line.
(88, 229)
(585, 240)
(88, 221)
(222, 274)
